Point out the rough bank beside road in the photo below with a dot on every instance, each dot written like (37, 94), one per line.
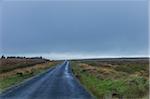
(114, 78)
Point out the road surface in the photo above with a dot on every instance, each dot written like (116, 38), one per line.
(56, 83)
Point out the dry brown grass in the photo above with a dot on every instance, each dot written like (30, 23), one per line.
(26, 69)
(11, 64)
(101, 72)
(13, 61)
(117, 68)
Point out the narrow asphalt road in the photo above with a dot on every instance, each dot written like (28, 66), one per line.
(56, 83)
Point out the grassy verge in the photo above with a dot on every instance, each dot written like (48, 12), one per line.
(18, 75)
(107, 83)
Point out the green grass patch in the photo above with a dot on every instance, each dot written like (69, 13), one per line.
(7, 82)
(129, 87)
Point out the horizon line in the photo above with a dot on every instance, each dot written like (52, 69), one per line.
(72, 57)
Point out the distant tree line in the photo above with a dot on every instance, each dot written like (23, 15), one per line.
(18, 57)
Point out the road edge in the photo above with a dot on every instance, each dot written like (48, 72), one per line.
(13, 87)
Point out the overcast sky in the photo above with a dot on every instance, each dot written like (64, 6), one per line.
(74, 29)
